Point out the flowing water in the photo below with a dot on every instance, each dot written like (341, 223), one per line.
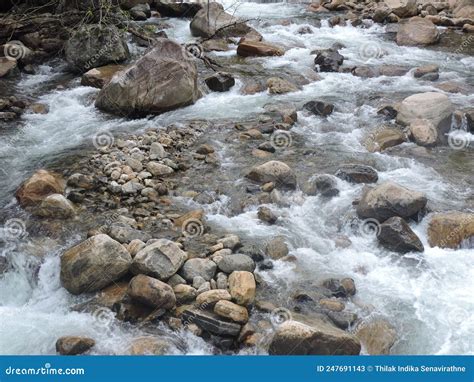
(427, 297)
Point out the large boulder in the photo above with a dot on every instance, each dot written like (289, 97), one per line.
(388, 200)
(312, 337)
(273, 171)
(435, 108)
(151, 292)
(450, 229)
(93, 264)
(417, 31)
(212, 20)
(41, 184)
(162, 259)
(93, 45)
(396, 235)
(164, 79)
(402, 8)
(464, 9)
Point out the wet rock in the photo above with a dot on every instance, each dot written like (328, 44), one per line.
(312, 337)
(242, 287)
(424, 133)
(396, 235)
(148, 345)
(8, 67)
(417, 31)
(209, 298)
(427, 72)
(85, 48)
(217, 44)
(85, 182)
(377, 336)
(468, 28)
(213, 20)
(140, 12)
(125, 234)
(286, 111)
(433, 107)
(220, 82)
(266, 214)
(319, 108)
(151, 292)
(388, 200)
(99, 77)
(273, 171)
(198, 267)
(304, 30)
(469, 115)
(340, 288)
(163, 79)
(324, 185)
(73, 345)
(211, 322)
(230, 241)
(277, 248)
(329, 60)
(389, 111)
(231, 311)
(343, 320)
(451, 229)
(249, 48)
(158, 169)
(331, 304)
(357, 173)
(41, 184)
(382, 70)
(184, 293)
(381, 13)
(55, 206)
(236, 262)
(402, 8)
(39, 108)
(161, 259)
(385, 138)
(93, 264)
(278, 85)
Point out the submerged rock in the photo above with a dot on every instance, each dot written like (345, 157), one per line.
(328, 60)
(220, 82)
(55, 206)
(377, 336)
(324, 185)
(357, 173)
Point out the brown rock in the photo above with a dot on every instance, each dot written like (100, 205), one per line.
(231, 311)
(248, 48)
(148, 346)
(99, 77)
(377, 336)
(450, 229)
(73, 345)
(151, 292)
(210, 297)
(384, 139)
(242, 287)
(417, 31)
(41, 184)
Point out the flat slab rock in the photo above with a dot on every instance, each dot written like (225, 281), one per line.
(210, 322)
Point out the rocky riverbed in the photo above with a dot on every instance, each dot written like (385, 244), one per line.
(288, 179)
